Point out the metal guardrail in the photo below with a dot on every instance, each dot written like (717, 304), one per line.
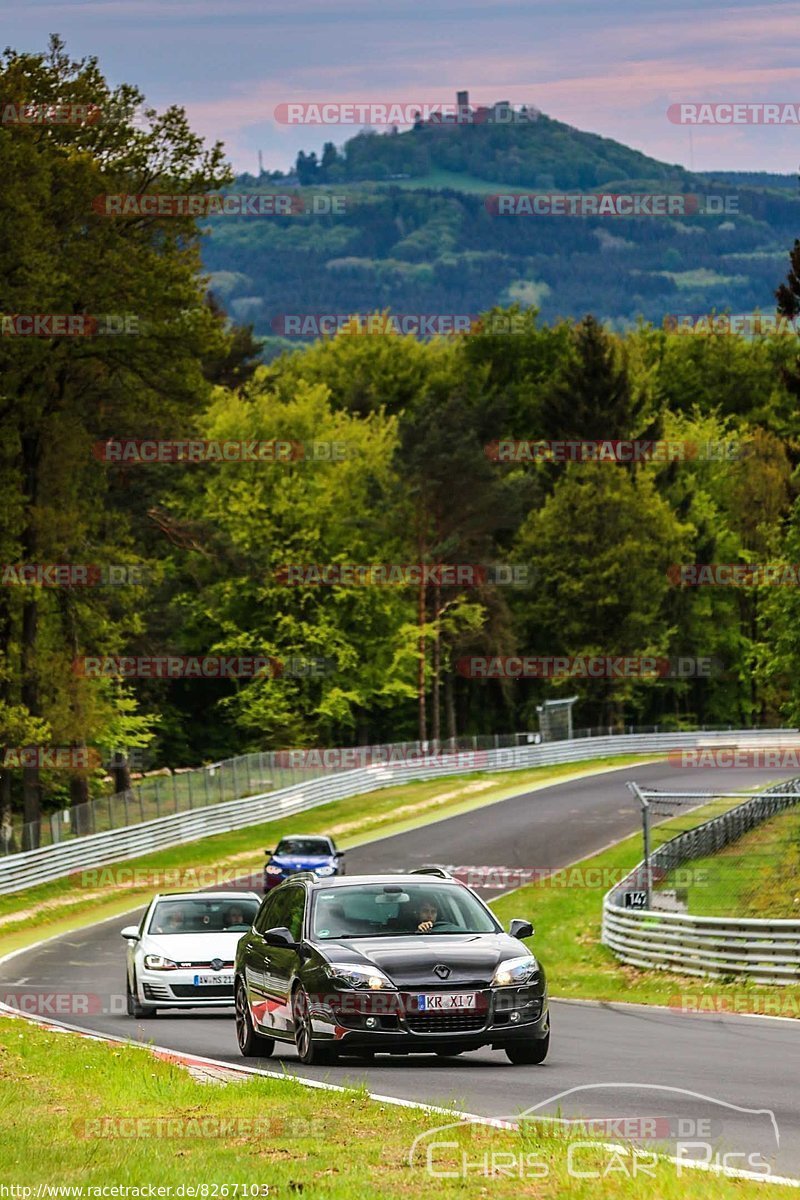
(763, 950)
(31, 867)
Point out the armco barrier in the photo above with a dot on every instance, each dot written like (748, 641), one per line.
(763, 950)
(24, 870)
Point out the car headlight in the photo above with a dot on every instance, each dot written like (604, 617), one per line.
(325, 870)
(274, 870)
(155, 962)
(516, 971)
(356, 975)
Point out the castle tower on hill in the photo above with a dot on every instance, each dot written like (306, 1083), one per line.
(501, 112)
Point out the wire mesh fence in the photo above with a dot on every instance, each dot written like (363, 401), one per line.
(718, 854)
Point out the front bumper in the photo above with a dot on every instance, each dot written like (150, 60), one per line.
(177, 989)
(390, 1021)
(272, 881)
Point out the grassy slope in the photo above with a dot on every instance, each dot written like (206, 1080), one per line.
(757, 876)
(336, 1145)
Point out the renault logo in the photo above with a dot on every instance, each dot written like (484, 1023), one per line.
(442, 971)
(217, 964)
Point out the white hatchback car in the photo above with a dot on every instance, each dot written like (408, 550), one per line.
(181, 954)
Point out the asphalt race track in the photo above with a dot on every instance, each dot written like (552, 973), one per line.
(749, 1063)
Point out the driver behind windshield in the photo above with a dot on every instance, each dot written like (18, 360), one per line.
(428, 915)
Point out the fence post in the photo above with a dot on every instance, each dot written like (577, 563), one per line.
(648, 876)
(189, 775)
(235, 781)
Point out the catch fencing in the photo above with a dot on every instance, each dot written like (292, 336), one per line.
(763, 950)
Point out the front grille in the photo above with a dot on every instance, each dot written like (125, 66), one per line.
(226, 966)
(187, 991)
(446, 1022)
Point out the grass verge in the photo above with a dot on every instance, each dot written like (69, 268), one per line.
(65, 904)
(566, 911)
(91, 1115)
(756, 876)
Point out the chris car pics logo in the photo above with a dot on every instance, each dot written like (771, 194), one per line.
(608, 1132)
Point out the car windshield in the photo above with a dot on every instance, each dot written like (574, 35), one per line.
(396, 910)
(203, 916)
(303, 845)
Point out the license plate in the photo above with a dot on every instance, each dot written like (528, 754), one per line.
(446, 1001)
(222, 980)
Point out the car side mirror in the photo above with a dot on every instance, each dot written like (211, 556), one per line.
(280, 936)
(520, 929)
(130, 933)
(268, 852)
(339, 854)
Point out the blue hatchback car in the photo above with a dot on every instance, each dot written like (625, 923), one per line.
(302, 853)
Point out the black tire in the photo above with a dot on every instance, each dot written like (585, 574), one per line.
(251, 1044)
(312, 1053)
(525, 1053)
(135, 1007)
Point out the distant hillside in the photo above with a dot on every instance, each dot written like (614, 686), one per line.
(757, 179)
(428, 242)
(541, 153)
